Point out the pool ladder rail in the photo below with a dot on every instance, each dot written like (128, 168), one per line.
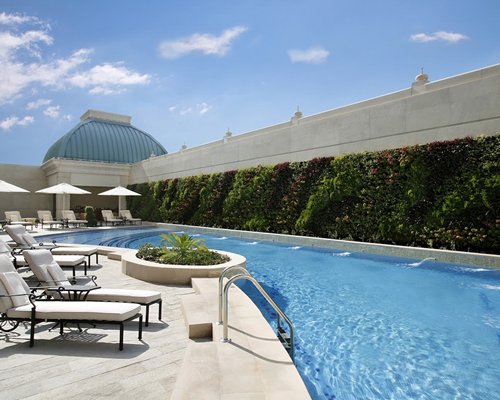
(241, 273)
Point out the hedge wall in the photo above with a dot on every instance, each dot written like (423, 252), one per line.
(441, 195)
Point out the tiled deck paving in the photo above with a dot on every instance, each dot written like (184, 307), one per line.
(90, 366)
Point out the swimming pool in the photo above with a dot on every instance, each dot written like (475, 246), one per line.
(370, 327)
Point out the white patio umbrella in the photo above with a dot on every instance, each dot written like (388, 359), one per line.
(64, 189)
(10, 188)
(121, 192)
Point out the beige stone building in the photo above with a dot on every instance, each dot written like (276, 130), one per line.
(104, 150)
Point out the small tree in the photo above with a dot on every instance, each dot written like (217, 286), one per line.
(90, 216)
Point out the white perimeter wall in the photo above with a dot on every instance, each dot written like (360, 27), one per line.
(31, 178)
(464, 105)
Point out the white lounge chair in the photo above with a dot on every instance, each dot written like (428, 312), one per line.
(127, 216)
(108, 216)
(50, 274)
(18, 259)
(26, 241)
(45, 217)
(70, 218)
(14, 218)
(17, 303)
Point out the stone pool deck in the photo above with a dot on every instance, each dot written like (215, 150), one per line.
(89, 366)
(165, 364)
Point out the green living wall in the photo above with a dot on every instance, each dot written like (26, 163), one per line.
(441, 195)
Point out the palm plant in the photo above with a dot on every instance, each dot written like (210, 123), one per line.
(183, 250)
(183, 243)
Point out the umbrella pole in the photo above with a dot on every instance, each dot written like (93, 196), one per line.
(54, 205)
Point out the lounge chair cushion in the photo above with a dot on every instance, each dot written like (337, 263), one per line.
(44, 274)
(5, 302)
(28, 239)
(81, 251)
(5, 266)
(63, 260)
(4, 247)
(66, 260)
(77, 310)
(124, 295)
(15, 285)
(57, 275)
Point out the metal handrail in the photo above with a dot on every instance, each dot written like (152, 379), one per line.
(225, 306)
(223, 274)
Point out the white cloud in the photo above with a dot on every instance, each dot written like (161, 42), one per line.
(103, 90)
(108, 79)
(22, 67)
(198, 109)
(187, 110)
(449, 37)
(201, 42)
(203, 108)
(18, 75)
(13, 19)
(52, 112)
(33, 105)
(9, 122)
(313, 55)
(10, 43)
(26, 120)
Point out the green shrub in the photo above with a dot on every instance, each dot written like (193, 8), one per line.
(442, 195)
(182, 198)
(146, 206)
(90, 216)
(181, 250)
(304, 178)
(211, 199)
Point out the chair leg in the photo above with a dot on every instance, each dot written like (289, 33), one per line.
(121, 337)
(140, 327)
(147, 314)
(159, 309)
(32, 330)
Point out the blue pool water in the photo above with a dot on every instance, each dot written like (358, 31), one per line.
(370, 327)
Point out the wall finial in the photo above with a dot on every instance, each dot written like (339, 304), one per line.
(422, 77)
(298, 113)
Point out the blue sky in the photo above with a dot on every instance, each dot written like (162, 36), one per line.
(186, 71)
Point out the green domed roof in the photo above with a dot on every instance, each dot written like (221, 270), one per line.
(105, 137)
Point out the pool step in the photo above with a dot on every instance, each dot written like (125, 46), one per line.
(200, 309)
(254, 365)
(115, 256)
(196, 316)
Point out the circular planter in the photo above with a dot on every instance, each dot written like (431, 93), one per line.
(175, 274)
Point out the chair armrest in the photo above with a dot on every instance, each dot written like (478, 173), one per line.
(33, 289)
(92, 278)
(31, 297)
(15, 295)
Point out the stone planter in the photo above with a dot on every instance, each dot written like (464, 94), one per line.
(175, 274)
